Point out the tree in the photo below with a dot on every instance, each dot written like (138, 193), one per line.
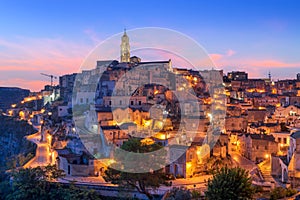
(140, 181)
(229, 183)
(37, 183)
(33, 183)
(213, 164)
(280, 192)
(179, 194)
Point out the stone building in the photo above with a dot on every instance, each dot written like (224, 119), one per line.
(257, 147)
(256, 115)
(235, 123)
(293, 156)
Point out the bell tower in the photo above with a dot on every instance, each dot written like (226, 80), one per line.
(125, 48)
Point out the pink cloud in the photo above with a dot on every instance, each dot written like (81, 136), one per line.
(272, 63)
(230, 52)
(255, 67)
(215, 57)
(46, 55)
(33, 85)
(218, 57)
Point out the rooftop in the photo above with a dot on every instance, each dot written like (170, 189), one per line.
(261, 137)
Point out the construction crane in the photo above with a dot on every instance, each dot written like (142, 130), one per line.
(51, 77)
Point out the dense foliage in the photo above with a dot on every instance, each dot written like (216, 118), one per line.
(38, 183)
(229, 184)
(279, 193)
(179, 194)
(140, 181)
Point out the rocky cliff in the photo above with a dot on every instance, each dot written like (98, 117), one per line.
(15, 148)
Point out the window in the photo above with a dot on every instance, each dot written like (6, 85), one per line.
(266, 147)
(120, 102)
(109, 103)
(131, 103)
(279, 140)
(140, 102)
(284, 140)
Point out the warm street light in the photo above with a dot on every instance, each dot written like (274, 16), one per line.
(267, 156)
(209, 116)
(10, 113)
(110, 161)
(281, 145)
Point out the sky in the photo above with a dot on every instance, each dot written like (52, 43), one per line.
(54, 37)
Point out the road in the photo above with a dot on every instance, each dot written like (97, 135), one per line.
(43, 153)
(190, 183)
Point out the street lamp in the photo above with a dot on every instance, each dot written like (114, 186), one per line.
(267, 156)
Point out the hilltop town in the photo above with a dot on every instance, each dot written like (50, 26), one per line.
(205, 119)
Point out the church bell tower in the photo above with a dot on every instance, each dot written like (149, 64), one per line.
(125, 48)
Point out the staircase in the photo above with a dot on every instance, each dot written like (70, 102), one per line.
(266, 174)
(265, 170)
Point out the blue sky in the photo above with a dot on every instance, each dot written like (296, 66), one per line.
(55, 36)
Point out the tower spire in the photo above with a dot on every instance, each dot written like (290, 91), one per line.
(125, 48)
